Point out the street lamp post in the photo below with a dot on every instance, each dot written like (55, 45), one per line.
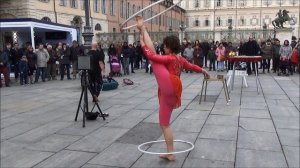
(170, 30)
(134, 35)
(265, 31)
(182, 28)
(88, 32)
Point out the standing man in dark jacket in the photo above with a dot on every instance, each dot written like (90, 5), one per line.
(139, 55)
(75, 50)
(17, 53)
(100, 49)
(205, 48)
(4, 62)
(96, 72)
(241, 48)
(276, 56)
(132, 57)
(267, 55)
(51, 64)
(251, 49)
(126, 56)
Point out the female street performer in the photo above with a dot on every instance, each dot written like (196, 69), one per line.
(167, 71)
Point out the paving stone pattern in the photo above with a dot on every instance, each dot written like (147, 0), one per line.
(255, 130)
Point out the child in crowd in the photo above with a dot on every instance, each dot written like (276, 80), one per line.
(212, 58)
(23, 67)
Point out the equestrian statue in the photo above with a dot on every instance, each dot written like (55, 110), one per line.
(283, 16)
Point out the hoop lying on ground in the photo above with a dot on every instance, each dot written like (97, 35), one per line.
(159, 141)
(122, 24)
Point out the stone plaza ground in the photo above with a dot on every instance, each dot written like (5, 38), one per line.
(255, 130)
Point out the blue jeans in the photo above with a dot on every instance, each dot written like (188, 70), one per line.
(23, 77)
(40, 70)
(220, 66)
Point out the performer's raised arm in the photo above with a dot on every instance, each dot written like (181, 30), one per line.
(145, 38)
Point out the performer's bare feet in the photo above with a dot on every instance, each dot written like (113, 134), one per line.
(168, 157)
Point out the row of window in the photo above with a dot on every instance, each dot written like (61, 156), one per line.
(126, 9)
(241, 3)
(97, 26)
(254, 21)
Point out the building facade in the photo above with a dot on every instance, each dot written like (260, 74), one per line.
(120, 10)
(243, 15)
(105, 15)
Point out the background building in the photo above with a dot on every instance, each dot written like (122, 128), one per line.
(213, 17)
(106, 15)
(120, 10)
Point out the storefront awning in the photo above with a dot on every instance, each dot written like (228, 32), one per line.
(32, 25)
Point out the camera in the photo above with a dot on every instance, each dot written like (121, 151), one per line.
(84, 62)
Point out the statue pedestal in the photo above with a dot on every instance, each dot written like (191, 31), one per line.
(284, 34)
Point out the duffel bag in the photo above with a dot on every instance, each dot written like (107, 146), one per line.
(110, 84)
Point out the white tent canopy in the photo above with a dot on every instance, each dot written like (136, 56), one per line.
(37, 27)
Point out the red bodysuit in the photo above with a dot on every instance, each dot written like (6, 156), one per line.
(167, 70)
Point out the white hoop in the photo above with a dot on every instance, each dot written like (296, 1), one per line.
(159, 141)
(122, 24)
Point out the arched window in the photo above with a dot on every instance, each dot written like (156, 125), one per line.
(46, 19)
(98, 27)
(77, 21)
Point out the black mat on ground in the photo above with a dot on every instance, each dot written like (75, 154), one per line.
(143, 132)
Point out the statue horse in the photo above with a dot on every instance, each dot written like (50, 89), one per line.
(278, 22)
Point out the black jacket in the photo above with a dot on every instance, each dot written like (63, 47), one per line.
(65, 57)
(126, 52)
(112, 51)
(102, 53)
(74, 52)
(5, 56)
(32, 58)
(252, 48)
(16, 55)
(205, 48)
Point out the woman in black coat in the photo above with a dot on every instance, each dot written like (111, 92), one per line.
(65, 62)
(32, 58)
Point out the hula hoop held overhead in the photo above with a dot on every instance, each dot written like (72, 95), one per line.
(131, 17)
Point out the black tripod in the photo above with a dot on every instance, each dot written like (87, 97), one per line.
(84, 95)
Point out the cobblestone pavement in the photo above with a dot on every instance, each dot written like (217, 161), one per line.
(255, 130)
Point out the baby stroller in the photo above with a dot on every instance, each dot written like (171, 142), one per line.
(284, 67)
(115, 66)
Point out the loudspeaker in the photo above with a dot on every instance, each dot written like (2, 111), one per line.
(84, 62)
